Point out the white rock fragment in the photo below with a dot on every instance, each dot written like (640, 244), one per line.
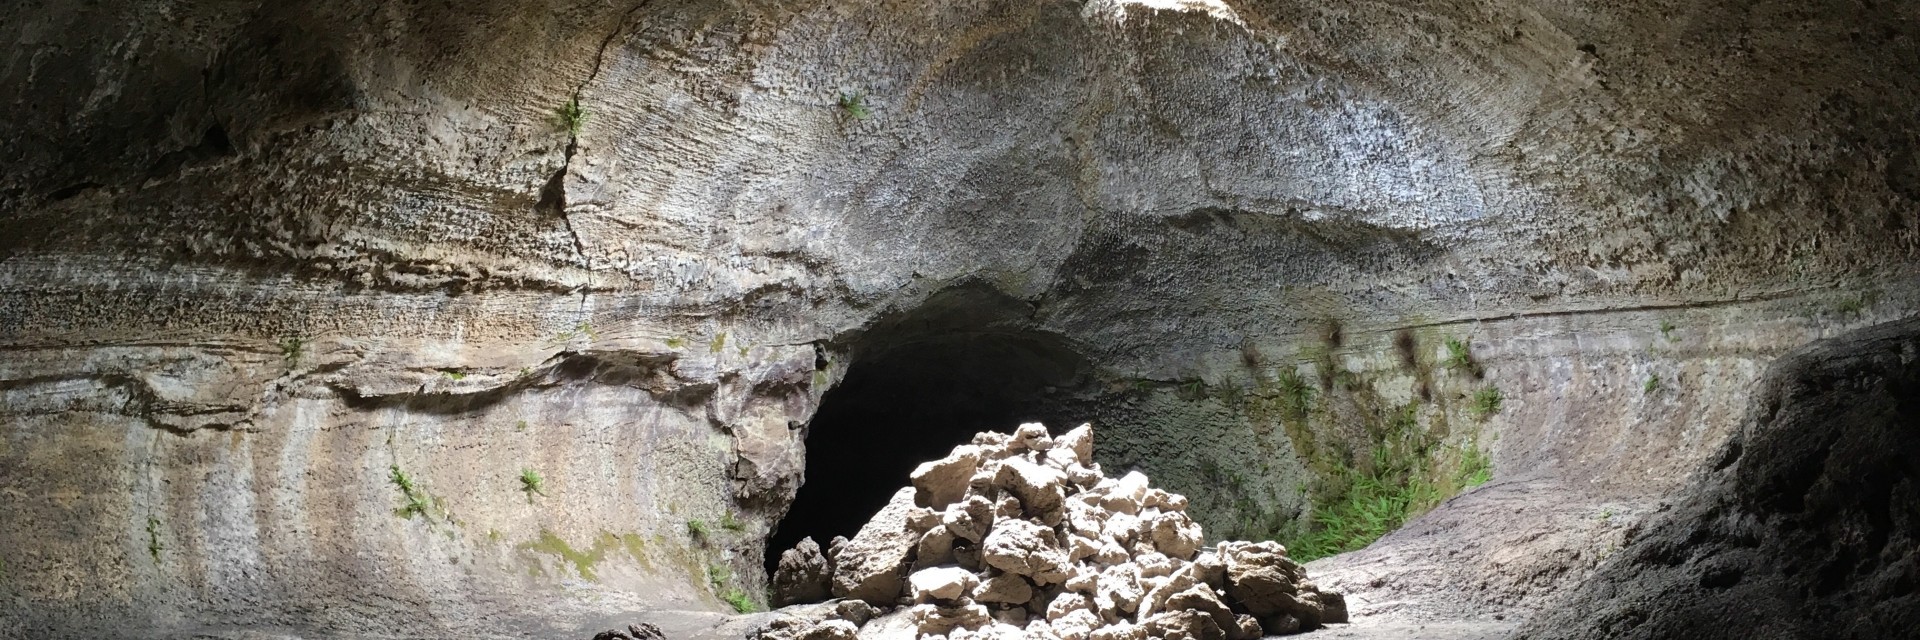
(942, 482)
(942, 583)
(1031, 436)
(1079, 442)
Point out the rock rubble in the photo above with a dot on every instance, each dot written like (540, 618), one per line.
(1021, 535)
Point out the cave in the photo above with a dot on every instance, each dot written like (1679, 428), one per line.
(926, 385)
(1521, 318)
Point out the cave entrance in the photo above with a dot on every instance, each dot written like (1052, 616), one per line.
(919, 387)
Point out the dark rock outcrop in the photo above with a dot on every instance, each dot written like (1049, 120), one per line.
(804, 575)
(1806, 525)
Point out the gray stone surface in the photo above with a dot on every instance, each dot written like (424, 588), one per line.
(257, 254)
(1803, 528)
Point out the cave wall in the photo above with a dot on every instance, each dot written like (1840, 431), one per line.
(1800, 526)
(196, 187)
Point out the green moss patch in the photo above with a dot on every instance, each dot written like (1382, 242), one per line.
(584, 562)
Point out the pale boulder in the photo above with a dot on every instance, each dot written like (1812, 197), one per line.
(941, 482)
(871, 565)
(1005, 588)
(935, 549)
(937, 619)
(791, 628)
(942, 583)
(1041, 490)
(1187, 624)
(1077, 441)
(1174, 534)
(1077, 625)
(1201, 598)
(969, 519)
(1031, 436)
(1027, 549)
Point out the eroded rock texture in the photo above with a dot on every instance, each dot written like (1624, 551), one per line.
(261, 259)
(1804, 527)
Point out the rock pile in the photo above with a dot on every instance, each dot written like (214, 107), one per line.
(1022, 536)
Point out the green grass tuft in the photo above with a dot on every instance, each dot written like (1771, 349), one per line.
(1476, 467)
(698, 529)
(1666, 329)
(854, 104)
(1373, 506)
(1486, 402)
(571, 117)
(720, 576)
(1460, 358)
(1193, 390)
(728, 522)
(1296, 396)
(742, 603)
(530, 482)
(1652, 384)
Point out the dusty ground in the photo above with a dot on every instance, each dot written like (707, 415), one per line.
(1489, 555)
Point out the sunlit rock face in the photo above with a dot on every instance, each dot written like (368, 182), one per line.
(261, 256)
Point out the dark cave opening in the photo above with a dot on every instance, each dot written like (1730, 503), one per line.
(914, 400)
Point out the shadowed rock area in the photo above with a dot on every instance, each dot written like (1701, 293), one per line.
(1807, 525)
